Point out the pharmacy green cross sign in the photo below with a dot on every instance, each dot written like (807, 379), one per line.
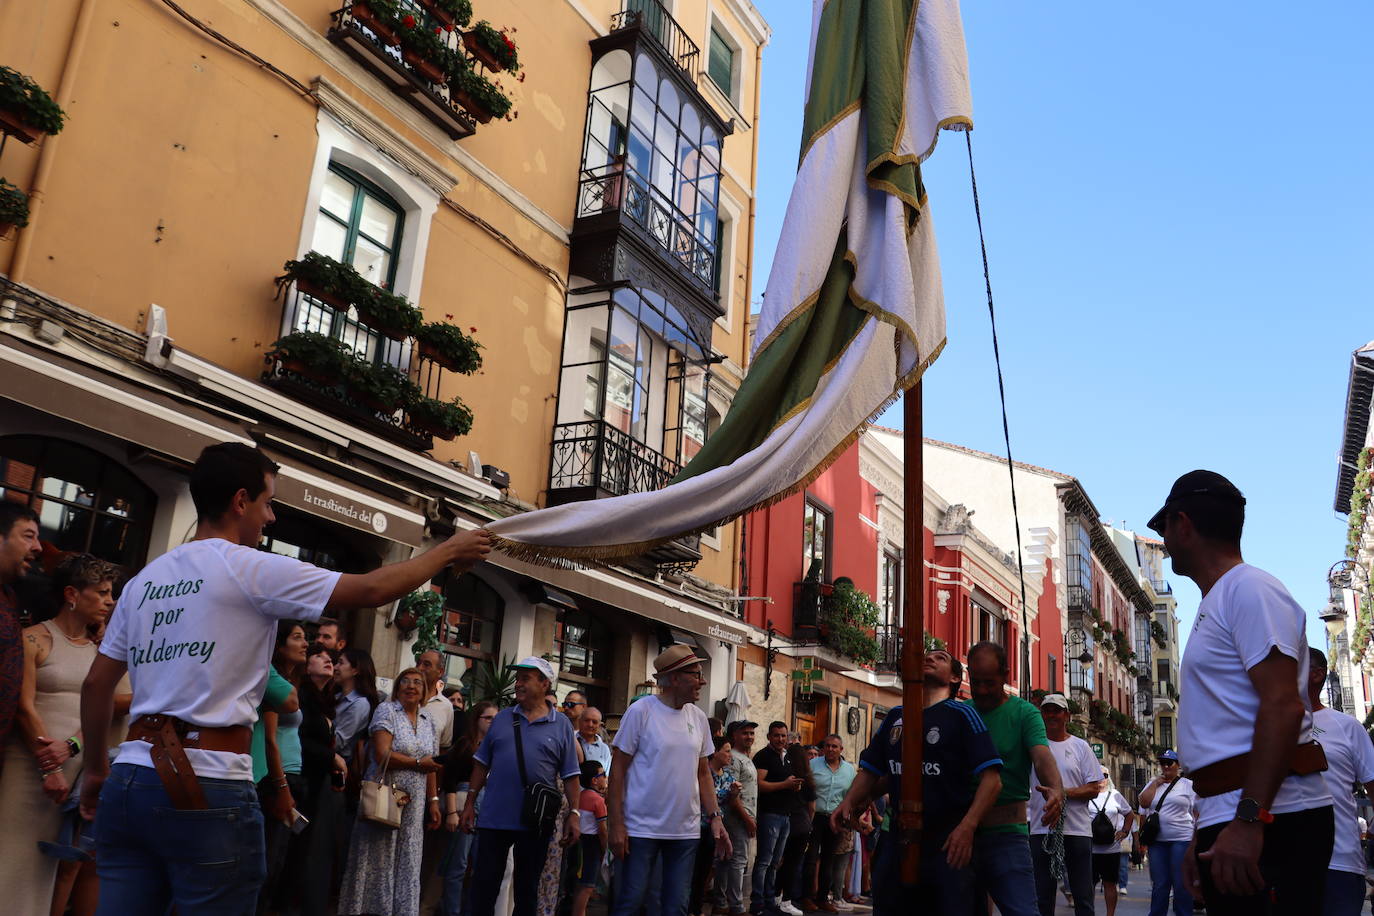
(807, 675)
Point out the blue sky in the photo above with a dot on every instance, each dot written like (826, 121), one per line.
(1177, 202)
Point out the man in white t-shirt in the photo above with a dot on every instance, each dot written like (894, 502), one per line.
(661, 789)
(179, 820)
(1264, 828)
(1349, 760)
(1082, 778)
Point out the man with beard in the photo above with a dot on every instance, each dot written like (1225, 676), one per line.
(960, 779)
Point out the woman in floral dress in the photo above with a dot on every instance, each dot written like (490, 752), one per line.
(383, 873)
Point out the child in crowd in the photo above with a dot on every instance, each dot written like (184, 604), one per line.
(591, 809)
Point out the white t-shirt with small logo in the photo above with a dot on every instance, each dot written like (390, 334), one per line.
(1078, 766)
(1247, 614)
(662, 791)
(196, 628)
(1177, 810)
(1349, 760)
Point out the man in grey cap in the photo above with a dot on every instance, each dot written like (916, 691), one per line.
(661, 789)
(527, 744)
(1265, 825)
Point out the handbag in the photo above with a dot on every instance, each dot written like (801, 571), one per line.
(380, 801)
(1104, 831)
(541, 802)
(1149, 831)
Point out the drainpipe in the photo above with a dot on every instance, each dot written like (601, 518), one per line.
(19, 257)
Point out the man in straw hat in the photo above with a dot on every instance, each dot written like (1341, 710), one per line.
(661, 788)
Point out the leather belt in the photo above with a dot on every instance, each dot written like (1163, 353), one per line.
(1229, 775)
(169, 737)
(1002, 815)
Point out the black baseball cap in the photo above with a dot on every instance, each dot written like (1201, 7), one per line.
(737, 724)
(1196, 483)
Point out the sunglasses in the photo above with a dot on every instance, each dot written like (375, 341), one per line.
(569, 704)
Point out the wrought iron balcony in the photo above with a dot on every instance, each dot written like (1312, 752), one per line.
(651, 17)
(593, 459)
(618, 192)
(1080, 598)
(889, 648)
(365, 39)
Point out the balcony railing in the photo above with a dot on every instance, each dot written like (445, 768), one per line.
(377, 51)
(889, 648)
(595, 454)
(1080, 599)
(304, 312)
(654, 19)
(616, 188)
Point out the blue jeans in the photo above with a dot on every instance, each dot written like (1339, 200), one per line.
(942, 889)
(1344, 893)
(1125, 865)
(1002, 870)
(1166, 874)
(772, 836)
(454, 869)
(677, 858)
(150, 855)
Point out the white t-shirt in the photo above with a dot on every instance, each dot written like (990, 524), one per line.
(1111, 803)
(1078, 766)
(1246, 614)
(196, 628)
(662, 792)
(1349, 760)
(1178, 812)
(440, 709)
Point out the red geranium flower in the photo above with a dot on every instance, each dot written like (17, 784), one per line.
(408, 21)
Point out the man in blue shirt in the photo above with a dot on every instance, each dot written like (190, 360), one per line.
(550, 751)
(957, 749)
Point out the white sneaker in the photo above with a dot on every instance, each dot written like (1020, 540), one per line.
(844, 906)
(785, 906)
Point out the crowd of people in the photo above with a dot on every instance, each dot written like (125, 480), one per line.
(210, 742)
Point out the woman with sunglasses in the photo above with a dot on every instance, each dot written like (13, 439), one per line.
(1170, 796)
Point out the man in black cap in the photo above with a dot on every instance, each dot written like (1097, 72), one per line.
(1265, 824)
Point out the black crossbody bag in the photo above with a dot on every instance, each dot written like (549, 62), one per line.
(1149, 831)
(540, 801)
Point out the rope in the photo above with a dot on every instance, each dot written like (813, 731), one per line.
(1006, 431)
(1054, 841)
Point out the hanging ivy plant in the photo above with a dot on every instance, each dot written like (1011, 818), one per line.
(853, 621)
(427, 609)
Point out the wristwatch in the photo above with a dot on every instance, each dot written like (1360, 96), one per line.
(1249, 810)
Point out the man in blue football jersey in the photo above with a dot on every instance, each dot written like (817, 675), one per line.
(957, 749)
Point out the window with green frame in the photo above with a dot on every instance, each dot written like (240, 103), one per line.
(357, 223)
(720, 62)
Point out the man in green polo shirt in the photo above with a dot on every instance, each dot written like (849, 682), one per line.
(1001, 849)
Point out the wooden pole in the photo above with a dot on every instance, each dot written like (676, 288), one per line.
(913, 635)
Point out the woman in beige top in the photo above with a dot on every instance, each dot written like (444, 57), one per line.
(39, 771)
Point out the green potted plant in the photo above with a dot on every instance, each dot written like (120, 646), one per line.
(381, 16)
(383, 388)
(853, 621)
(449, 13)
(445, 419)
(387, 313)
(311, 355)
(479, 95)
(26, 110)
(496, 50)
(14, 208)
(422, 47)
(449, 347)
(322, 278)
(420, 611)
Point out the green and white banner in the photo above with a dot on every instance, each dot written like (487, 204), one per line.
(854, 310)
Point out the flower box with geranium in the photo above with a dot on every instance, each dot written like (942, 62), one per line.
(312, 355)
(383, 388)
(482, 99)
(445, 419)
(423, 48)
(381, 16)
(496, 50)
(388, 314)
(14, 207)
(321, 277)
(449, 347)
(26, 110)
(449, 13)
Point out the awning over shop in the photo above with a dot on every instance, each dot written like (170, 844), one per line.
(326, 496)
(607, 588)
(109, 404)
